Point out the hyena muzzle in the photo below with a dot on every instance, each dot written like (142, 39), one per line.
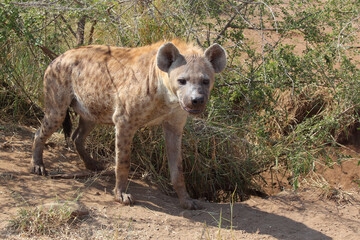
(129, 88)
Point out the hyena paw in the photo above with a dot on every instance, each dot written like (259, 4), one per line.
(190, 204)
(124, 198)
(38, 169)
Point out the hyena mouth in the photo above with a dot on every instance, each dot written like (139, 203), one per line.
(189, 110)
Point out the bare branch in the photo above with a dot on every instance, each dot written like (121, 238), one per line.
(82, 174)
(67, 25)
(341, 34)
(50, 6)
(48, 52)
(162, 16)
(226, 27)
(91, 34)
(257, 29)
(81, 31)
(39, 29)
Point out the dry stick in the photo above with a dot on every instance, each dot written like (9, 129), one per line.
(91, 34)
(262, 44)
(68, 26)
(226, 27)
(78, 2)
(208, 36)
(339, 43)
(257, 29)
(46, 25)
(80, 33)
(250, 24)
(51, 6)
(83, 174)
(16, 78)
(20, 86)
(162, 16)
(48, 52)
(62, 34)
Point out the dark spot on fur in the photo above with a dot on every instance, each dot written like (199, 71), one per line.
(99, 49)
(124, 162)
(155, 89)
(58, 66)
(54, 75)
(68, 69)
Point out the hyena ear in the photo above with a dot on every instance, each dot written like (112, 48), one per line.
(216, 55)
(166, 55)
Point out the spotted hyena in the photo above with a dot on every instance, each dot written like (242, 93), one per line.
(130, 88)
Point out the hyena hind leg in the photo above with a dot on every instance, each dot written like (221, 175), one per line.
(51, 122)
(78, 137)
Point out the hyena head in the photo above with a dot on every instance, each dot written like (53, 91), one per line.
(191, 76)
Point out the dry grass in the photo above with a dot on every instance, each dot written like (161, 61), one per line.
(291, 109)
(47, 220)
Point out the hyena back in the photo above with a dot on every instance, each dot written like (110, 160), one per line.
(129, 87)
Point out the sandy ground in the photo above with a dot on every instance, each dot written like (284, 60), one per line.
(306, 214)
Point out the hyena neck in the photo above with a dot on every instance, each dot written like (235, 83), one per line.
(164, 90)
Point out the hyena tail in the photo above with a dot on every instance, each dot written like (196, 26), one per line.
(67, 125)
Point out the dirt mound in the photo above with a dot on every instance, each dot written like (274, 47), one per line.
(293, 108)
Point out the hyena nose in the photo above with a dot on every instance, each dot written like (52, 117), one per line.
(196, 101)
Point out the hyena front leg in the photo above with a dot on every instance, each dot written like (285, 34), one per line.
(173, 134)
(124, 136)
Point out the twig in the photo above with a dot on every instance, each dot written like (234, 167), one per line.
(262, 44)
(341, 32)
(91, 33)
(62, 34)
(226, 27)
(39, 29)
(51, 6)
(162, 16)
(80, 33)
(68, 26)
(252, 25)
(257, 29)
(48, 52)
(82, 174)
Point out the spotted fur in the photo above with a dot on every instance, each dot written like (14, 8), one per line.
(129, 87)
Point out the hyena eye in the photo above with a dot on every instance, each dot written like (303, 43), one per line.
(182, 81)
(206, 81)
